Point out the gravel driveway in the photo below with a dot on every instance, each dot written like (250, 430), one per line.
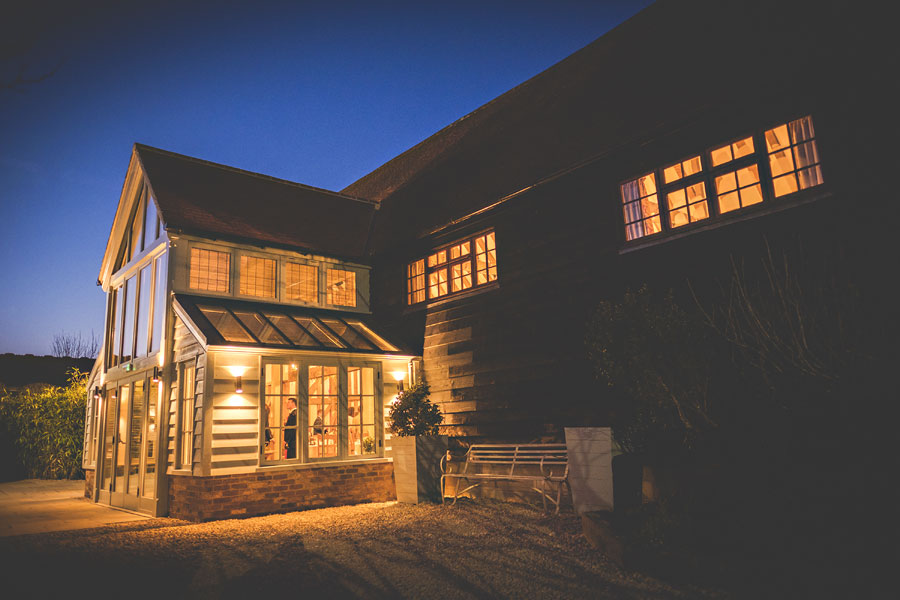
(388, 550)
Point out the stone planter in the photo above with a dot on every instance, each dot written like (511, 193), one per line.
(417, 470)
(590, 468)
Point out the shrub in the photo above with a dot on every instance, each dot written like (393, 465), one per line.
(44, 429)
(414, 414)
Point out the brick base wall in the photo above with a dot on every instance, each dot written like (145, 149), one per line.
(89, 483)
(252, 494)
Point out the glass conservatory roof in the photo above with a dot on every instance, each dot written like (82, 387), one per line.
(232, 322)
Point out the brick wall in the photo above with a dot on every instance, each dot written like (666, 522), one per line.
(252, 494)
(89, 483)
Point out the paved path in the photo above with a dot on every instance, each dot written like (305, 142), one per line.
(39, 506)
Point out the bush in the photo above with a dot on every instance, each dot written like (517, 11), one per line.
(414, 414)
(44, 429)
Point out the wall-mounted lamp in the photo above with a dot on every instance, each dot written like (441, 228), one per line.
(96, 393)
(155, 376)
(399, 376)
(238, 385)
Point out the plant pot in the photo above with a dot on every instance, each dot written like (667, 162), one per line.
(417, 470)
(589, 451)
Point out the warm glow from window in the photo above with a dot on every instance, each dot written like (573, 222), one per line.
(793, 157)
(257, 277)
(301, 282)
(341, 287)
(415, 282)
(462, 266)
(641, 207)
(210, 270)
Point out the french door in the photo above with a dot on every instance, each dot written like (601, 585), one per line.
(129, 458)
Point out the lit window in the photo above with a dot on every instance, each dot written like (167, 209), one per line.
(415, 281)
(728, 178)
(360, 411)
(210, 270)
(464, 265)
(257, 277)
(740, 187)
(793, 157)
(301, 282)
(641, 207)
(341, 287)
(322, 432)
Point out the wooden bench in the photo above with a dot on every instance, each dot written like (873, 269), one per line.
(546, 464)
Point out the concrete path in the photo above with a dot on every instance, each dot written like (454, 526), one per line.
(40, 506)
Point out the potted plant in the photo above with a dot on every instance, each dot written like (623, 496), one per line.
(416, 446)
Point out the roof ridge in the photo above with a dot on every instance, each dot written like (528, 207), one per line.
(209, 163)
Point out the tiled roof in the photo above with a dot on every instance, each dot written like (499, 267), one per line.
(201, 197)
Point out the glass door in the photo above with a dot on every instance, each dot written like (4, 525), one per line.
(128, 470)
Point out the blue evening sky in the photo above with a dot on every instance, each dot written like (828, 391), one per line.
(315, 92)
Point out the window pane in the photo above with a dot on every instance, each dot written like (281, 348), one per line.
(322, 426)
(676, 199)
(257, 277)
(720, 156)
(748, 176)
(729, 202)
(210, 270)
(348, 334)
(301, 282)
(150, 219)
(640, 204)
(792, 152)
(142, 311)
(159, 304)
(128, 327)
(225, 324)
(725, 183)
(294, 332)
(415, 283)
(261, 328)
(691, 166)
(115, 334)
(341, 287)
(320, 334)
(679, 217)
(672, 173)
(751, 195)
(742, 147)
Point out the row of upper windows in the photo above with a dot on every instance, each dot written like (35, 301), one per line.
(210, 271)
(463, 265)
(727, 178)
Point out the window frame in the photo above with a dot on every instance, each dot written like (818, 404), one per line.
(283, 292)
(179, 462)
(237, 257)
(448, 264)
(302, 380)
(708, 173)
(232, 270)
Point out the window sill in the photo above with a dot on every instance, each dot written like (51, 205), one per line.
(320, 464)
(772, 207)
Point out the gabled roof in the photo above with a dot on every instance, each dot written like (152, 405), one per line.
(201, 197)
(670, 64)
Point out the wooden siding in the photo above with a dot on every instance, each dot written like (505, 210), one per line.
(234, 419)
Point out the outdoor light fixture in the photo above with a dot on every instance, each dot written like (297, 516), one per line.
(96, 393)
(399, 376)
(155, 376)
(238, 385)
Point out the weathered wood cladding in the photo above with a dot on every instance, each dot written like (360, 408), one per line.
(233, 419)
(504, 362)
(187, 350)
